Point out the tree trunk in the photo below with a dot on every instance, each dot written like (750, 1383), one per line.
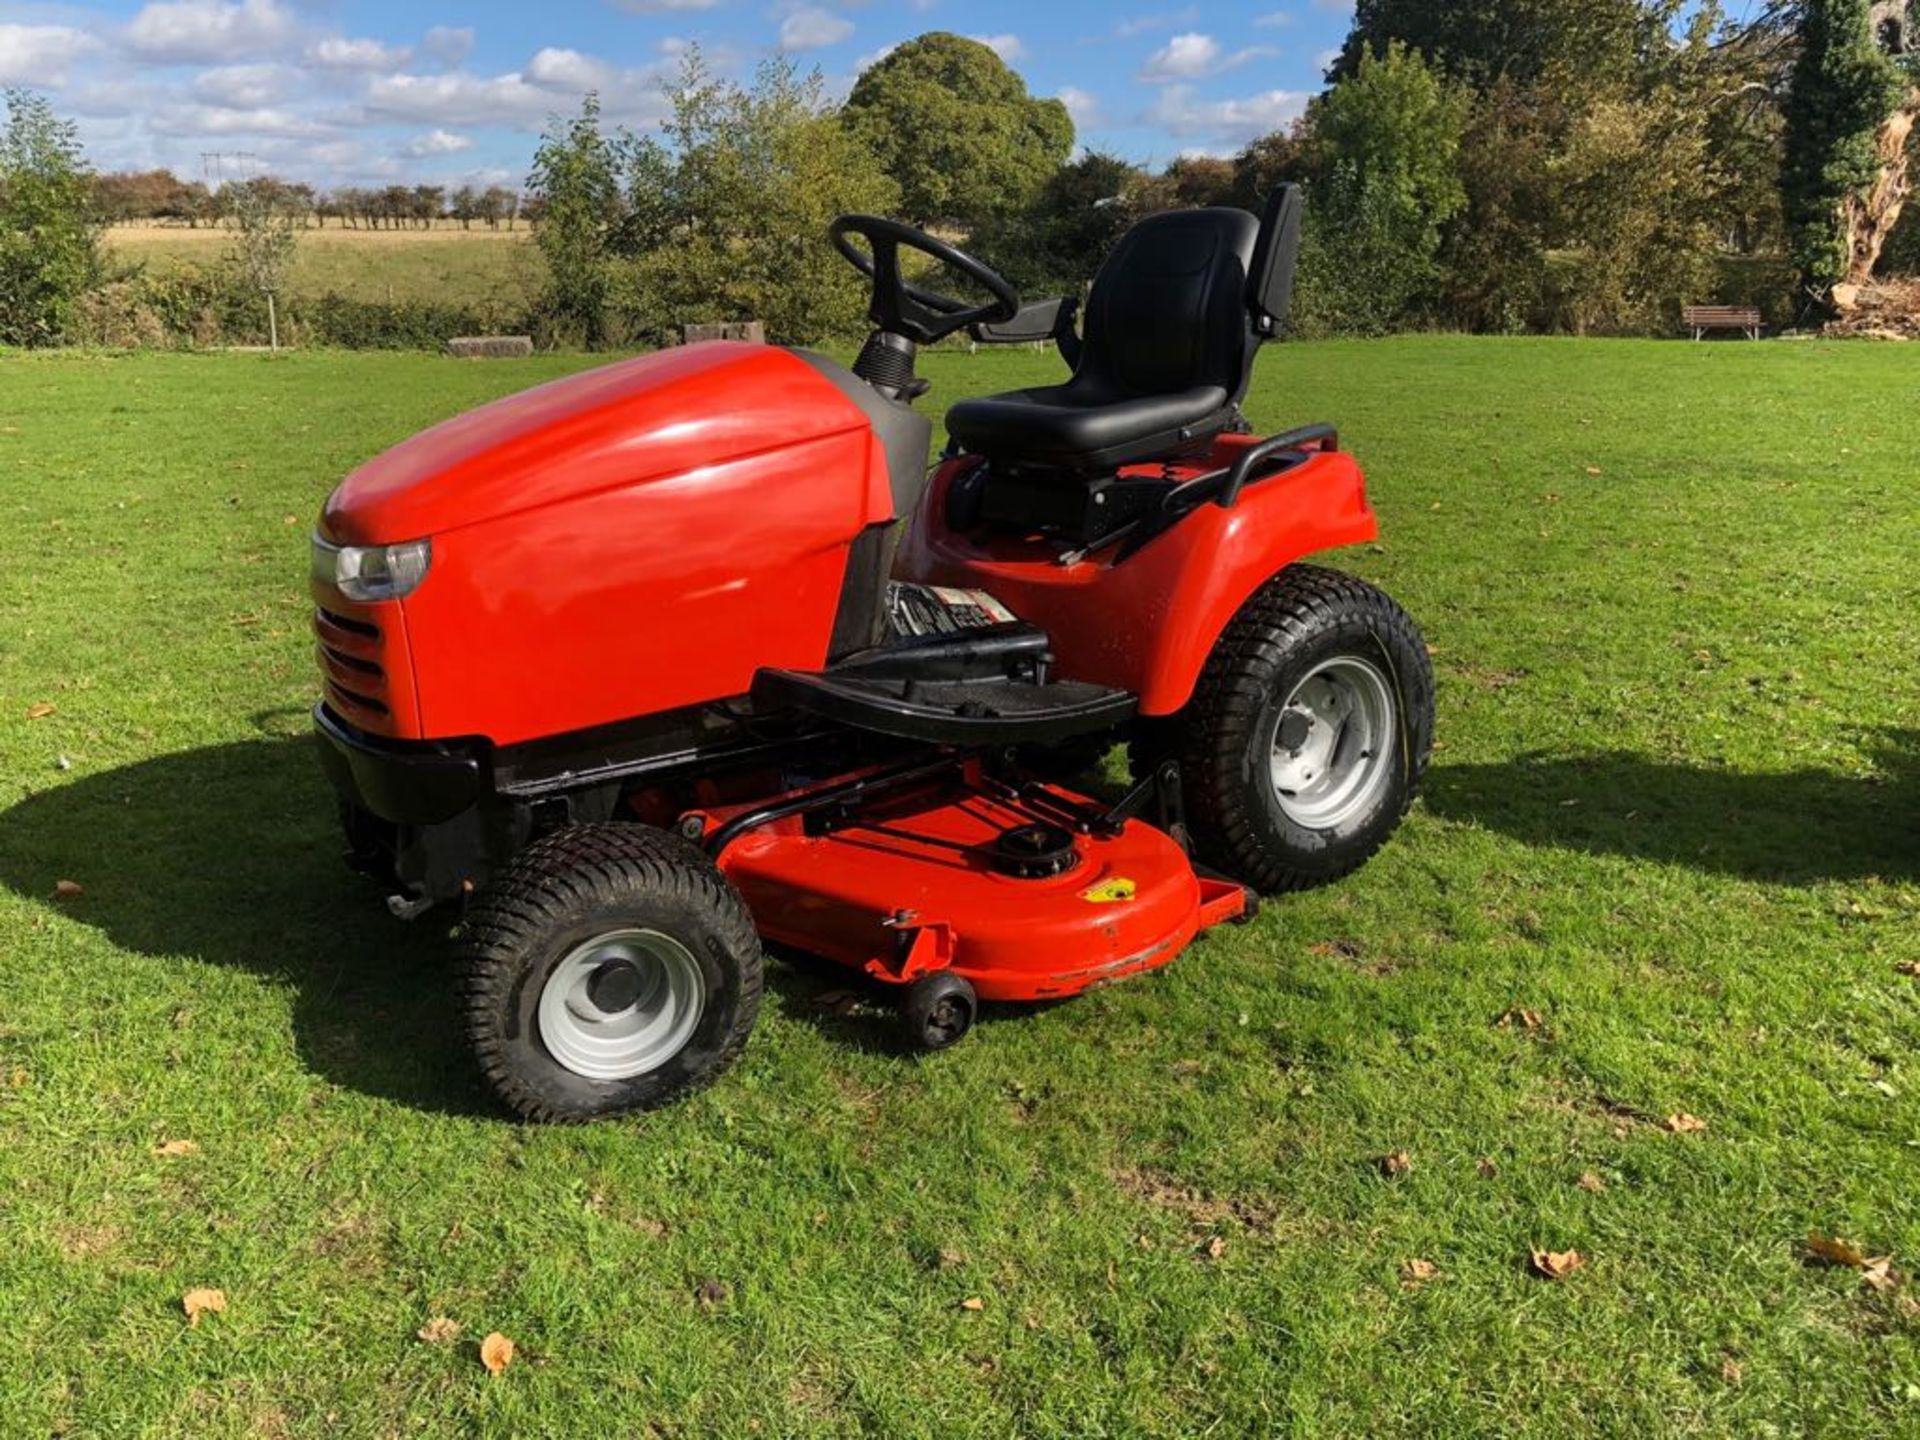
(273, 324)
(1870, 217)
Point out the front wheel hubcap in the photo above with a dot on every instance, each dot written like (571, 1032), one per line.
(621, 1005)
(1333, 748)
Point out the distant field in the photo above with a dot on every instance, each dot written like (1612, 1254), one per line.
(478, 267)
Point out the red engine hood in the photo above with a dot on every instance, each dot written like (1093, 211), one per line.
(662, 414)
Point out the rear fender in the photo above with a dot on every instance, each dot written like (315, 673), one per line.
(1146, 623)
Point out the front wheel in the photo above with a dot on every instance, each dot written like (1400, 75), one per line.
(608, 968)
(1308, 733)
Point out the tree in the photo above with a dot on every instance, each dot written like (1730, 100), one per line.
(957, 130)
(49, 233)
(576, 177)
(1485, 41)
(727, 220)
(1058, 242)
(1388, 143)
(266, 231)
(1849, 115)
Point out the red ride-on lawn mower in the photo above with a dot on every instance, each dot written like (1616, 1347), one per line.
(652, 663)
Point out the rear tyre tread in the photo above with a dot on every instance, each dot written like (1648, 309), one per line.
(1212, 736)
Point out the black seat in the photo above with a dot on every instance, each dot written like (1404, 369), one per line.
(1171, 329)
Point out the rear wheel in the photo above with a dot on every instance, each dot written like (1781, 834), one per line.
(1308, 734)
(608, 968)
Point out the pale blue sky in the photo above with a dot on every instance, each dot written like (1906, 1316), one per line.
(345, 91)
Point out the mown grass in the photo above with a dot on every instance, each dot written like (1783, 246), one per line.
(488, 268)
(1672, 595)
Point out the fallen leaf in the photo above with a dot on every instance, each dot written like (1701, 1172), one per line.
(1557, 1264)
(68, 890)
(1486, 1167)
(1418, 1272)
(441, 1331)
(1730, 1371)
(1908, 967)
(172, 1149)
(1685, 1124)
(496, 1352)
(41, 710)
(711, 1294)
(951, 1259)
(1216, 1247)
(973, 1303)
(1592, 1183)
(1878, 1273)
(202, 1301)
(1395, 1162)
(1831, 1251)
(1593, 469)
(1528, 1020)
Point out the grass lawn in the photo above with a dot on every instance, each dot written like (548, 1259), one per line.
(499, 268)
(1675, 605)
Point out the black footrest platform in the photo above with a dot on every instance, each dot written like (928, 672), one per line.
(974, 688)
(960, 712)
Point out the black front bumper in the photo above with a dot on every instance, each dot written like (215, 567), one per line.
(405, 782)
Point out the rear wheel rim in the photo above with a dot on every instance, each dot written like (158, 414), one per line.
(1333, 748)
(621, 1005)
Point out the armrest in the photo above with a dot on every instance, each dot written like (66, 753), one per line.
(1037, 321)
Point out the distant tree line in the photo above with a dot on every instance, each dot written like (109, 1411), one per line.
(160, 196)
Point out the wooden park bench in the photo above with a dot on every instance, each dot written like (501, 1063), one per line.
(1702, 318)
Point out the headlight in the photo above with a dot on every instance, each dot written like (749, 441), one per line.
(372, 572)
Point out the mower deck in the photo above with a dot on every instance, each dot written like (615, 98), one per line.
(1028, 892)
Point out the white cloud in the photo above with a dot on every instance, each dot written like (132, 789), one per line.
(336, 52)
(811, 28)
(1008, 47)
(1183, 57)
(246, 87)
(1191, 56)
(661, 7)
(40, 54)
(1081, 105)
(1324, 61)
(458, 98)
(1227, 121)
(449, 44)
(438, 142)
(569, 70)
(187, 31)
(224, 120)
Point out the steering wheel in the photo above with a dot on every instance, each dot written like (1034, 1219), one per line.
(900, 308)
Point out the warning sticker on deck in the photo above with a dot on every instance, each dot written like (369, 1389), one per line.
(1111, 892)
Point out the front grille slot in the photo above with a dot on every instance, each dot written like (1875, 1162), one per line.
(363, 628)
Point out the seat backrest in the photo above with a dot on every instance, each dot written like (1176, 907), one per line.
(1169, 310)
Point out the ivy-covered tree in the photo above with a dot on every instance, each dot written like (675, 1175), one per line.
(49, 234)
(1387, 142)
(956, 129)
(1849, 114)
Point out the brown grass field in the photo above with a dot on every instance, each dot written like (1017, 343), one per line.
(474, 266)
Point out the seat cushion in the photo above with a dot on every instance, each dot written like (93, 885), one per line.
(1076, 426)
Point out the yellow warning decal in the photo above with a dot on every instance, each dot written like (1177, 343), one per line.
(1111, 892)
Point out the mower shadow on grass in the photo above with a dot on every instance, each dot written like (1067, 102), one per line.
(229, 855)
(1795, 827)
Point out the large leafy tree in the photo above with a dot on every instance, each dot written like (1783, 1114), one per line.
(576, 179)
(1850, 113)
(728, 217)
(1388, 146)
(1058, 242)
(1490, 40)
(956, 128)
(49, 235)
